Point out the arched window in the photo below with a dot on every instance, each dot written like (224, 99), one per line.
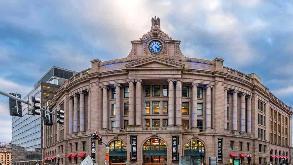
(155, 151)
(195, 149)
(118, 152)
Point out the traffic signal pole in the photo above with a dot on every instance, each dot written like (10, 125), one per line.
(23, 101)
(15, 98)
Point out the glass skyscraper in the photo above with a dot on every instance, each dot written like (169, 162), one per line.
(27, 130)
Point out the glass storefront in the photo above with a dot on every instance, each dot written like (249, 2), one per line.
(195, 150)
(118, 152)
(155, 152)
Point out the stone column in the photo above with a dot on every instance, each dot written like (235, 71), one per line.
(225, 108)
(171, 103)
(75, 117)
(289, 131)
(235, 110)
(249, 115)
(138, 102)
(194, 106)
(70, 115)
(88, 112)
(105, 107)
(208, 108)
(131, 103)
(117, 106)
(81, 111)
(178, 102)
(242, 113)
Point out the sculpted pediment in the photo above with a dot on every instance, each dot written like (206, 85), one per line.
(154, 64)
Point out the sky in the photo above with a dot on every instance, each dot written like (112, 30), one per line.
(253, 36)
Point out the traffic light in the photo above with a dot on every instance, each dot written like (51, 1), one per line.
(100, 140)
(97, 137)
(36, 102)
(48, 117)
(15, 106)
(94, 136)
(60, 116)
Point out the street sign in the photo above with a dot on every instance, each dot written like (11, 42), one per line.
(175, 153)
(87, 161)
(220, 149)
(93, 150)
(133, 143)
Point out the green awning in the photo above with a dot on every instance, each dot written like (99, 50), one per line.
(118, 153)
(155, 152)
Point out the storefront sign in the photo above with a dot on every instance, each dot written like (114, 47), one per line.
(133, 142)
(236, 162)
(175, 142)
(220, 149)
(93, 149)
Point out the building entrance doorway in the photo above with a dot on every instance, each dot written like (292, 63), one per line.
(155, 152)
(117, 152)
(195, 149)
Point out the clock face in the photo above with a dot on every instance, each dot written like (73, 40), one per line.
(155, 46)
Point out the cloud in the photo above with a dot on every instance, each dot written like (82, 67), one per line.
(4, 108)
(285, 91)
(10, 86)
(5, 130)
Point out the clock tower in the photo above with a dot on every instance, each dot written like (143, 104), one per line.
(155, 43)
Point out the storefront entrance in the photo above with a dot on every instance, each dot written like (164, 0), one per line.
(195, 150)
(117, 153)
(155, 152)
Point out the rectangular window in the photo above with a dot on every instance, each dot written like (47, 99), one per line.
(126, 92)
(126, 109)
(185, 124)
(112, 109)
(165, 90)
(248, 146)
(113, 93)
(156, 107)
(112, 124)
(232, 145)
(76, 146)
(125, 124)
(200, 124)
(70, 144)
(147, 108)
(165, 122)
(259, 147)
(185, 108)
(200, 93)
(147, 91)
(156, 123)
(185, 91)
(83, 145)
(165, 107)
(147, 123)
(259, 160)
(240, 146)
(156, 90)
(199, 109)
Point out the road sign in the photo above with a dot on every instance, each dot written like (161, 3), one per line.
(87, 161)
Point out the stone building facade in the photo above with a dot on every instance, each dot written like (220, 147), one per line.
(157, 106)
(5, 155)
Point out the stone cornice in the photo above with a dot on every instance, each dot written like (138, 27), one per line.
(250, 81)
